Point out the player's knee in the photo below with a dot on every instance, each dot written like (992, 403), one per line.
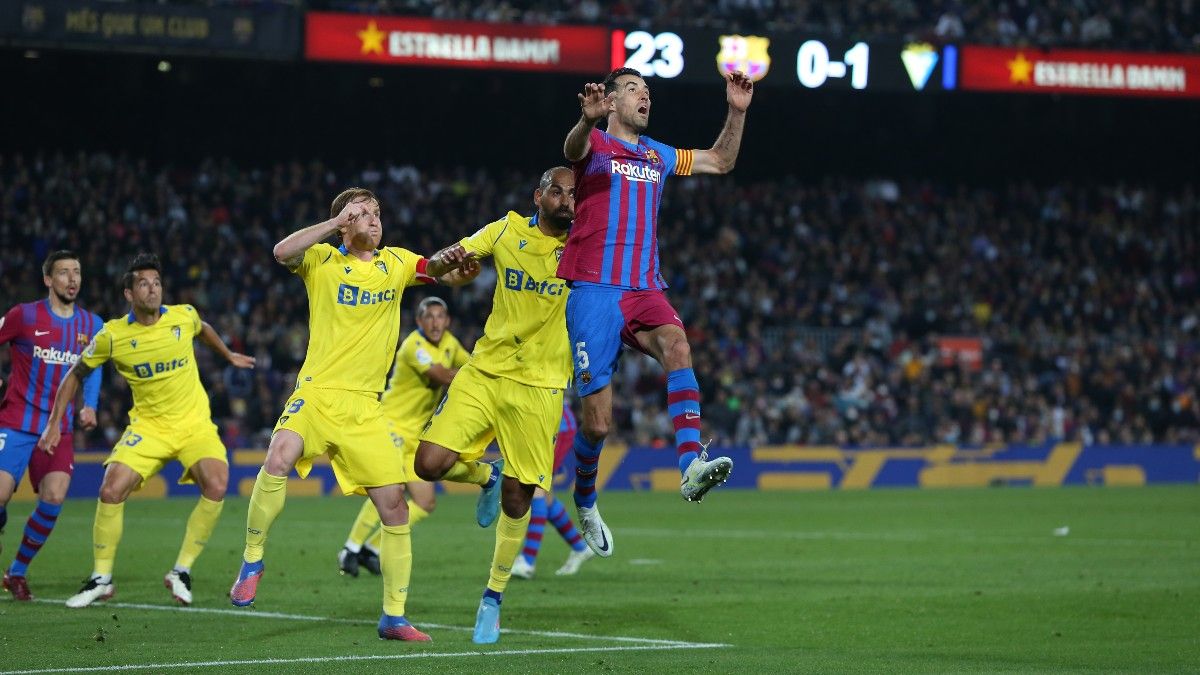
(429, 465)
(214, 489)
(53, 496)
(111, 493)
(677, 353)
(595, 428)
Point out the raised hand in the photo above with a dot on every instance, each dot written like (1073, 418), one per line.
(241, 360)
(593, 103)
(739, 89)
(350, 213)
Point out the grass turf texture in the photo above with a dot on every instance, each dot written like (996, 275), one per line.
(886, 580)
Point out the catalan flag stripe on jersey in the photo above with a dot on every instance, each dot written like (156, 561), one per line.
(618, 188)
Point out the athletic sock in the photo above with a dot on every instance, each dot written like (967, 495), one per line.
(37, 530)
(557, 514)
(587, 465)
(395, 563)
(416, 513)
(476, 473)
(510, 533)
(683, 405)
(364, 524)
(106, 535)
(266, 502)
(200, 527)
(537, 526)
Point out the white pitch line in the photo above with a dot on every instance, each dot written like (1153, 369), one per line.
(916, 537)
(308, 617)
(365, 657)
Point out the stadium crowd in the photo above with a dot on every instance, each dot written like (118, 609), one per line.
(1168, 25)
(814, 309)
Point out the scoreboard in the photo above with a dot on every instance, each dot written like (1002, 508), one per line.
(788, 60)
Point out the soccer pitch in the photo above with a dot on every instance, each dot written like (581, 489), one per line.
(883, 580)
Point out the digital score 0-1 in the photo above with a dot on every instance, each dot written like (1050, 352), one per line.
(788, 60)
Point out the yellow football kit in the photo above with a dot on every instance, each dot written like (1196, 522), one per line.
(170, 418)
(353, 324)
(410, 397)
(512, 388)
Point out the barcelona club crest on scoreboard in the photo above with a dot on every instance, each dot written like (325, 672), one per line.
(746, 54)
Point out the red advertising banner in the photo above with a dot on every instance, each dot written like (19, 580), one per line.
(1080, 72)
(405, 41)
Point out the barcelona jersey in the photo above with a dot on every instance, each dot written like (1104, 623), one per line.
(618, 188)
(44, 347)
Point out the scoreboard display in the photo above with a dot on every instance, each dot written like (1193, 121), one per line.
(788, 60)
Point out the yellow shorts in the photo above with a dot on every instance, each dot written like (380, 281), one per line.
(523, 419)
(407, 440)
(350, 427)
(146, 447)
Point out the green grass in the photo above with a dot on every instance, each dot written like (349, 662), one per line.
(885, 580)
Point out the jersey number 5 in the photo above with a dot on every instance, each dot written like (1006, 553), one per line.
(581, 357)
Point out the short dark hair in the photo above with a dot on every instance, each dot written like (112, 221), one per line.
(63, 254)
(610, 82)
(347, 196)
(428, 302)
(143, 261)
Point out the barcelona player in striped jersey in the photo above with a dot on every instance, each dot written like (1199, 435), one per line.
(617, 288)
(47, 337)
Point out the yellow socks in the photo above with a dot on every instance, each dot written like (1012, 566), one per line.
(367, 520)
(510, 536)
(199, 528)
(265, 504)
(476, 473)
(106, 534)
(395, 561)
(415, 513)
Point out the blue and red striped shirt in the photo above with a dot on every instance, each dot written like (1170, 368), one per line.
(44, 347)
(618, 188)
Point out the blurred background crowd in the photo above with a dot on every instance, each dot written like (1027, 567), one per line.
(816, 309)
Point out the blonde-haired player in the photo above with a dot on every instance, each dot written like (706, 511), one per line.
(354, 295)
(426, 362)
(512, 388)
(170, 419)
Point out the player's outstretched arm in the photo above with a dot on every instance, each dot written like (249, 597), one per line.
(209, 336)
(593, 106)
(721, 157)
(453, 266)
(67, 390)
(290, 250)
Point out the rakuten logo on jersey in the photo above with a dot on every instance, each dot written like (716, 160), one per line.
(55, 356)
(641, 174)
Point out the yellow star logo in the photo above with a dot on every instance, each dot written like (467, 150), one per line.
(372, 39)
(1020, 68)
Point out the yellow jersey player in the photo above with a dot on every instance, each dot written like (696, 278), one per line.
(426, 362)
(512, 388)
(152, 349)
(354, 295)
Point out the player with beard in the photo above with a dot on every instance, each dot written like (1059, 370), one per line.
(47, 337)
